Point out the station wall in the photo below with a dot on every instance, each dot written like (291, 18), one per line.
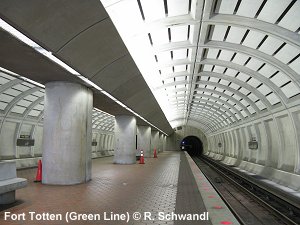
(27, 156)
(277, 153)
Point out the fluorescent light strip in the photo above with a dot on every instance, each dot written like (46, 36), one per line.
(21, 78)
(57, 61)
(130, 110)
(89, 82)
(35, 46)
(32, 82)
(44, 52)
(49, 55)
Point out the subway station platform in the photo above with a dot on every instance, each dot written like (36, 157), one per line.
(167, 190)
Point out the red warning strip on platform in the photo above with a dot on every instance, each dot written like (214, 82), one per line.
(218, 211)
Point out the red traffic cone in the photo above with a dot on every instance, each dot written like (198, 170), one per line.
(155, 154)
(38, 177)
(142, 157)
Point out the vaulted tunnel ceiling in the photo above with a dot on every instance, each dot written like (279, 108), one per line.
(216, 63)
(209, 63)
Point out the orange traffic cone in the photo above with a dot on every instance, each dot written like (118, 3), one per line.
(142, 161)
(155, 154)
(38, 177)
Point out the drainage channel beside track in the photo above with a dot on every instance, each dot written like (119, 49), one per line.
(249, 202)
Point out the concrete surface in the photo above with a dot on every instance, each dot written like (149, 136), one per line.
(67, 134)
(125, 140)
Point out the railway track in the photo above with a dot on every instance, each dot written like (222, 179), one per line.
(249, 203)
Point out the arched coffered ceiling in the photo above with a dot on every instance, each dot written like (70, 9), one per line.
(214, 63)
(207, 63)
(24, 101)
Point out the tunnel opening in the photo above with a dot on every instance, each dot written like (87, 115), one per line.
(193, 145)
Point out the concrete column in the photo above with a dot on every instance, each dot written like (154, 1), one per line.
(67, 134)
(160, 142)
(125, 136)
(144, 139)
(164, 143)
(154, 141)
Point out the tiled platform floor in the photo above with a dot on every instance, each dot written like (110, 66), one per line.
(151, 187)
(170, 184)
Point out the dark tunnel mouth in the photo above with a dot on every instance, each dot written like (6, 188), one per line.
(192, 144)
